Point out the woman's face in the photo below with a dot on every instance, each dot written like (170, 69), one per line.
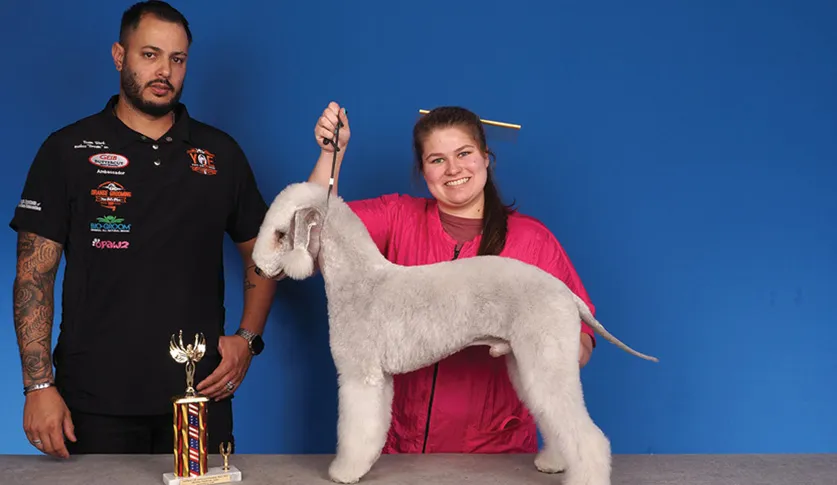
(455, 171)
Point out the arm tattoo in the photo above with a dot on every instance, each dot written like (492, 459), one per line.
(248, 285)
(37, 265)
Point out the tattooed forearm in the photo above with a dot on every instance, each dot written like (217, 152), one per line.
(248, 285)
(37, 265)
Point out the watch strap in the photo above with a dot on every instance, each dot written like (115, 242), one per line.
(248, 335)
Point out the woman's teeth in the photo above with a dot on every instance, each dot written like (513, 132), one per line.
(458, 182)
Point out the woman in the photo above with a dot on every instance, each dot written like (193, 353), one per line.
(465, 403)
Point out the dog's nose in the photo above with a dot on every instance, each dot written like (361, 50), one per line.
(262, 274)
(279, 276)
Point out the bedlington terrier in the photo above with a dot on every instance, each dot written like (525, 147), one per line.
(387, 319)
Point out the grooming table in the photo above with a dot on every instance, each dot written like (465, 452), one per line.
(430, 469)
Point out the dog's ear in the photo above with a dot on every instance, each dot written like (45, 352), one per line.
(304, 221)
(299, 262)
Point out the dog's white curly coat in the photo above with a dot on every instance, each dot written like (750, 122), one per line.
(387, 319)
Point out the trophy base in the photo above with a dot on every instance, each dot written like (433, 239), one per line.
(215, 474)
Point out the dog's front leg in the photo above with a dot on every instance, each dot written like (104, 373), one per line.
(364, 407)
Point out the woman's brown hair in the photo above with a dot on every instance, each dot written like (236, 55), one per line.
(495, 215)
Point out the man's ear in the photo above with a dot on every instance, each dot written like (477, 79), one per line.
(118, 54)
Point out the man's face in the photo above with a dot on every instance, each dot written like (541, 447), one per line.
(153, 65)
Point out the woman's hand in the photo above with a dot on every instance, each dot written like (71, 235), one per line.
(327, 126)
(586, 349)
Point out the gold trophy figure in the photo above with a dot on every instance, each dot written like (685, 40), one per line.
(190, 419)
(225, 452)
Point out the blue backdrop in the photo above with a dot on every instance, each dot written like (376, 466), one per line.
(683, 152)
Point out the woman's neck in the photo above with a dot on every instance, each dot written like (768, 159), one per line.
(461, 229)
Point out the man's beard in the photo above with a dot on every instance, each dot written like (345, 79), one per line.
(133, 93)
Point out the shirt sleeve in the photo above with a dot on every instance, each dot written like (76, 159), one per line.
(378, 214)
(249, 207)
(554, 259)
(44, 206)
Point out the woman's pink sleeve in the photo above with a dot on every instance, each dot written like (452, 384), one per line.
(555, 260)
(377, 214)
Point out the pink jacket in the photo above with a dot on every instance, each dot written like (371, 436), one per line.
(465, 403)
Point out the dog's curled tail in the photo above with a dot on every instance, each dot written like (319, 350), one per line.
(588, 318)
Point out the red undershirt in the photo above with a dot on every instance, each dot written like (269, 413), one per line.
(460, 229)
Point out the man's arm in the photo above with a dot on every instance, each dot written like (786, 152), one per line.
(38, 259)
(46, 419)
(258, 292)
(234, 350)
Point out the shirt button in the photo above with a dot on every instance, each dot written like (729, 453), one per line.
(157, 162)
(143, 137)
(168, 138)
(155, 147)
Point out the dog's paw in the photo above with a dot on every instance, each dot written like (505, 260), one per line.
(499, 349)
(343, 472)
(550, 462)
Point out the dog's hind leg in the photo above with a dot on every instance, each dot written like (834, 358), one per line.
(498, 347)
(549, 459)
(365, 405)
(549, 375)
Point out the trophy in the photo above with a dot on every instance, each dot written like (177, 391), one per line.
(190, 432)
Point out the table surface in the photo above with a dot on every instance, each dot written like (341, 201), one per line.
(438, 469)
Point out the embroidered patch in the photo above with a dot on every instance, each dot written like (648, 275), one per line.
(110, 195)
(110, 223)
(105, 244)
(109, 160)
(110, 172)
(29, 204)
(97, 145)
(203, 161)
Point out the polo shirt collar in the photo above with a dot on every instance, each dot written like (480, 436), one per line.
(124, 136)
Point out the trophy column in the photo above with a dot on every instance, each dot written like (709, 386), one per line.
(190, 454)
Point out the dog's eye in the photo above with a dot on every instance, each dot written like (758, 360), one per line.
(279, 235)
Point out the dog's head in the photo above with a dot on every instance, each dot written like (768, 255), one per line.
(289, 239)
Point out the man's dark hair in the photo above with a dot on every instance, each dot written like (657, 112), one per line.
(162, 10)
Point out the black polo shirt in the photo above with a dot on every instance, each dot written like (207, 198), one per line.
(143, 223)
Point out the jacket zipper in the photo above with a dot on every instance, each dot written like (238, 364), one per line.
(433, 386)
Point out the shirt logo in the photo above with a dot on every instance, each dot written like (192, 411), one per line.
(110, 224)
(110, 172)
(110, 195)
(98, 145)
(104, 244)
(109, 160)
(203, 162)
(29, 204)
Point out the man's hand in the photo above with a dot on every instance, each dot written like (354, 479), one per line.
(586, 349)
(46, 421)
(235, 360)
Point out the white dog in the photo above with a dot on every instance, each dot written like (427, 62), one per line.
(387, 319)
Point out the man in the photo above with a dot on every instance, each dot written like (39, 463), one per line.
(137, 198)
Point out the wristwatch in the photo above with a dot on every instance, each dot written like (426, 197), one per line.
(254, 340)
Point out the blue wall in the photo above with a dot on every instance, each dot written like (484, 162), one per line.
(683, 152)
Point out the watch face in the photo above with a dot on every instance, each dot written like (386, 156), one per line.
(257, 345)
